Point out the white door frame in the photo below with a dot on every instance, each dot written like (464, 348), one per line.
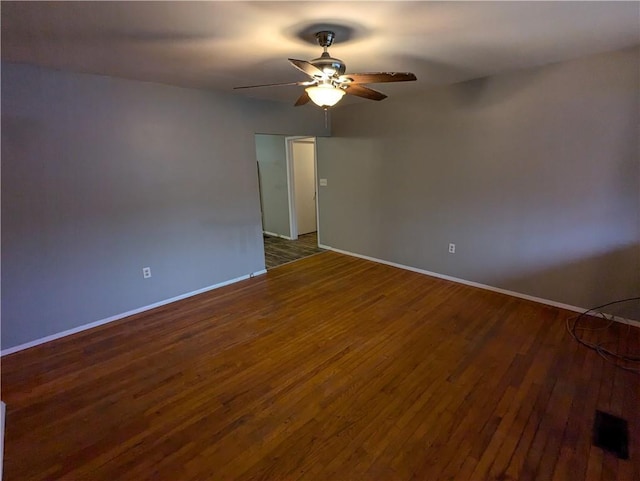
(293, 222)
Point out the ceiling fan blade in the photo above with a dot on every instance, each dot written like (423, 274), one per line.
(273, 85)
(306, 67)
(364, 92)
(303, 99)
(378, 77)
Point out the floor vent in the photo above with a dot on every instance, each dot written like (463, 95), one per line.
(611, 434)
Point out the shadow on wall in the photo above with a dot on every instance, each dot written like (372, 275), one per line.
(594, 275)
(480, 93)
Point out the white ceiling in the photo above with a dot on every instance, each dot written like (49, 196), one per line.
(219, 45)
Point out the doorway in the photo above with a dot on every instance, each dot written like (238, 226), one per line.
(288, 197)
(301, 167)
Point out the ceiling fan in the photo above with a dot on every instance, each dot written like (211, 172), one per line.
(329, 83)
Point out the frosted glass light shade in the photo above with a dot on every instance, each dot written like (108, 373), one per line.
(325, 95)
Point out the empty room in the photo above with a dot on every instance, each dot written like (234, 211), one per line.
(459, 183)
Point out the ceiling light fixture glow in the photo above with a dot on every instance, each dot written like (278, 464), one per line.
(325, 95)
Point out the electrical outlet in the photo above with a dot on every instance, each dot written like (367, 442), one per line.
(146, 272)
(452, 248)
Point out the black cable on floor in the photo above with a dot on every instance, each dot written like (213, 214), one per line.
(609, 355)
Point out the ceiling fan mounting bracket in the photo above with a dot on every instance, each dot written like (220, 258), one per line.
(325, 38)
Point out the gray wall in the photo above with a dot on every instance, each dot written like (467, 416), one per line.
(274, 187)
(103, 176)
(533, 175)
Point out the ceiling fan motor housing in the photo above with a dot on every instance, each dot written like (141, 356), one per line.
(329, 65)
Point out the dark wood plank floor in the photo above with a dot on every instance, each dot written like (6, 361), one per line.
(278, 251)
(330, 368)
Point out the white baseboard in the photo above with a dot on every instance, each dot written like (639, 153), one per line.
(91, 325)
(273, 234)
(480, 286)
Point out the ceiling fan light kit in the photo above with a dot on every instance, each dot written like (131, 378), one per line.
(325, 95)
(329, 83)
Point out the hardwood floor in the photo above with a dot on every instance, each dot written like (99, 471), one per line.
(330, 368)
(278, 251)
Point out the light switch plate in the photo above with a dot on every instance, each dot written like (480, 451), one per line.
(323, 182)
